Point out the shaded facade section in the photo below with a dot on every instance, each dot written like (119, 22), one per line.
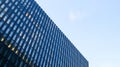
(28, 37)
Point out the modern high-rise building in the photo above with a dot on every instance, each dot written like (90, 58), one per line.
(29, 38)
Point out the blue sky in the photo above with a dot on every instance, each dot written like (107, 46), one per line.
(93, 26)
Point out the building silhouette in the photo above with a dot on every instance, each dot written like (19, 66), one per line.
(29, 38)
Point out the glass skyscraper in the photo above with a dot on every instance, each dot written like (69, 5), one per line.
(29, 38)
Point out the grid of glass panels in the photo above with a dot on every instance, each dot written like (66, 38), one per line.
(30, 34)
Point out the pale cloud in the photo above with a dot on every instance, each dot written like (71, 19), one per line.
(78, 15)
(74, 15)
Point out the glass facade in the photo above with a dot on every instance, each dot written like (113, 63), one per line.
(28, 37)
